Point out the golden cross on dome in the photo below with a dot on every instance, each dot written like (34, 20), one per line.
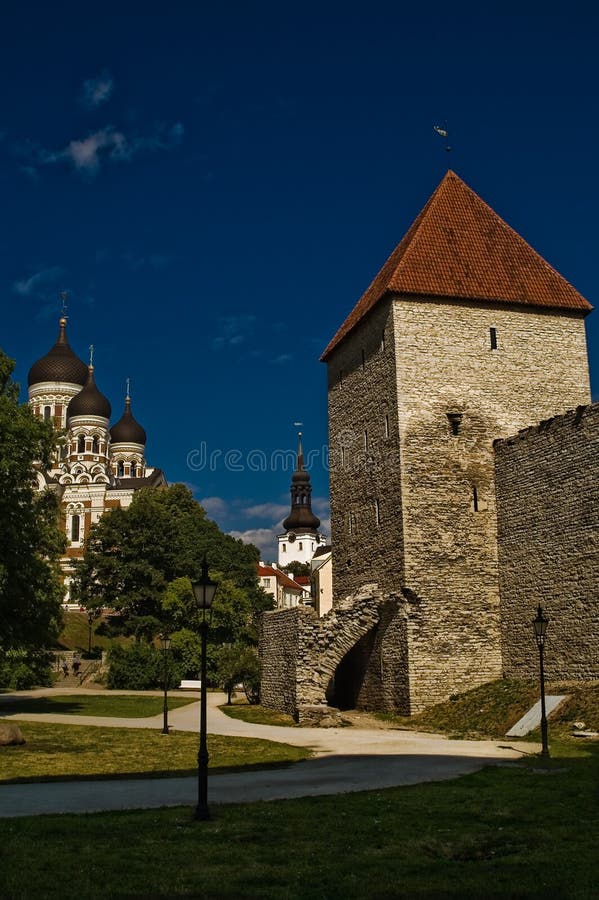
(63, 297)
(128, 389)
(91, 355)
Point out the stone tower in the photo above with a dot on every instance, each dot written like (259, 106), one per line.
(301, 537)
(465, 335)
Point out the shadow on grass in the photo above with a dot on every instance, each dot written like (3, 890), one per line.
(166, 773)
(10, 705)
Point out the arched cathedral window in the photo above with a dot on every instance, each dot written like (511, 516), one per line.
(120, 469)
(81, 444)
(47, 412)
(95, 444)
(75, 528)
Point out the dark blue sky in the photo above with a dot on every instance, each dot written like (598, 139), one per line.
(216, 185)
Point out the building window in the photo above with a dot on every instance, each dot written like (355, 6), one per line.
(340, 376)
(363, 360)
(493, 336)
(81, 444)
(266, 582)
(343, 456)
(377, 512)
(383, 341)
(300, 546)
(75, 528)
(474, 498)
(352, 523)
(284, 550)
(120, 470)
(95, 444)
(366, 439)
(47, 413)
(386, 425)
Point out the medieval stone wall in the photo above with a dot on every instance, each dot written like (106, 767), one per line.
(278, 655)
(548, 531)
(414, 510)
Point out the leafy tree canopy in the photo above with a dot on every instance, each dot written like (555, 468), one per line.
(31, 541)
(297, 568)
(141, 560)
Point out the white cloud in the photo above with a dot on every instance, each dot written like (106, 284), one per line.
(214, 506)
(107, 145)
(234, 330)
(97, 90)
(263, 538)
(271, 511)
(37, 284)
(283, 358)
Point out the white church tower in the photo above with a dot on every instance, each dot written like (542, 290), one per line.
(301, 538)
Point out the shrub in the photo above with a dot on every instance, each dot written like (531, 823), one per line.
(140, 667)
(24, 669)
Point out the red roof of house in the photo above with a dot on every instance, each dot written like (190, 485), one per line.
(282, 577)
(459, 248)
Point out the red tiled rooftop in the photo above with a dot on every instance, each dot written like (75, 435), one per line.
(459, 248)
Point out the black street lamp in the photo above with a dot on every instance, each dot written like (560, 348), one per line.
(165, 643)
(204, 591)
(540, 626)
(90, 622)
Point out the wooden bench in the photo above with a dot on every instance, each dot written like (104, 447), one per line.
(190, 685)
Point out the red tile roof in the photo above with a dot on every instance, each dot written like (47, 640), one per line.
(283, 579)
(459, 247)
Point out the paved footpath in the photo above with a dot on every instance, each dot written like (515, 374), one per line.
(347, 759)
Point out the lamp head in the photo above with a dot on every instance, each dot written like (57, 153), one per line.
(165, 641)
(204, 590)
(540, 626)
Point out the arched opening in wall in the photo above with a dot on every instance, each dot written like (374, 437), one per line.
(95, 444)
(81, 444)
(346, 690)
(120, 469)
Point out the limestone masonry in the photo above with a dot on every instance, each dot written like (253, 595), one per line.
(465, 338)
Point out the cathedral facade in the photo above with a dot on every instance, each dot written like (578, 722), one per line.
(95, 467)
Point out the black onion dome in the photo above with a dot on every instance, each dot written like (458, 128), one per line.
(59, 364)
(301, 518)
(127, 430)
(89, 401)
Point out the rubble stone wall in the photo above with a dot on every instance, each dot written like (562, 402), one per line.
(547, 481)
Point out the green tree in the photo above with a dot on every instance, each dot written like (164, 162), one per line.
(140, 560)
(31, 541)
(297, 568)
(238, 664)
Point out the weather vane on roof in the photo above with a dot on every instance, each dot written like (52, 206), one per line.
(444, 134)
(63, 297)
(128, 389)
(91, 354)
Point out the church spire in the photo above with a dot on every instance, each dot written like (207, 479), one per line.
(301, 518)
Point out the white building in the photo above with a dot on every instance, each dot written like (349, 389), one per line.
(301, 537)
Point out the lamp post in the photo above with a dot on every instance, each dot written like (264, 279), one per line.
(204, 591)
(540, 627)
(165, 643)
(90, 622)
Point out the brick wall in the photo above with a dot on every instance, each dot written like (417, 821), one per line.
(548, 531)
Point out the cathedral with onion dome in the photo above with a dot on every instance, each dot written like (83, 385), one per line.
(95, 467)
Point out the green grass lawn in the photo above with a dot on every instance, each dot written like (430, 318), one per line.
(106, 704)
(58, 752)
(521, 831)
(257, 715)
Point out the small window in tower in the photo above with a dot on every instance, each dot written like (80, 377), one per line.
(377, 511)
(284, 548)
(383, 341)
(493, 336)
(474, 498)
(366, 439)
(95, 444)
(47, 413)
(386, 426)
(300, 546)
(75, 528)
(363, 360)
(133, 470)
(81, 444)
(120, 470)
(340, 376)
